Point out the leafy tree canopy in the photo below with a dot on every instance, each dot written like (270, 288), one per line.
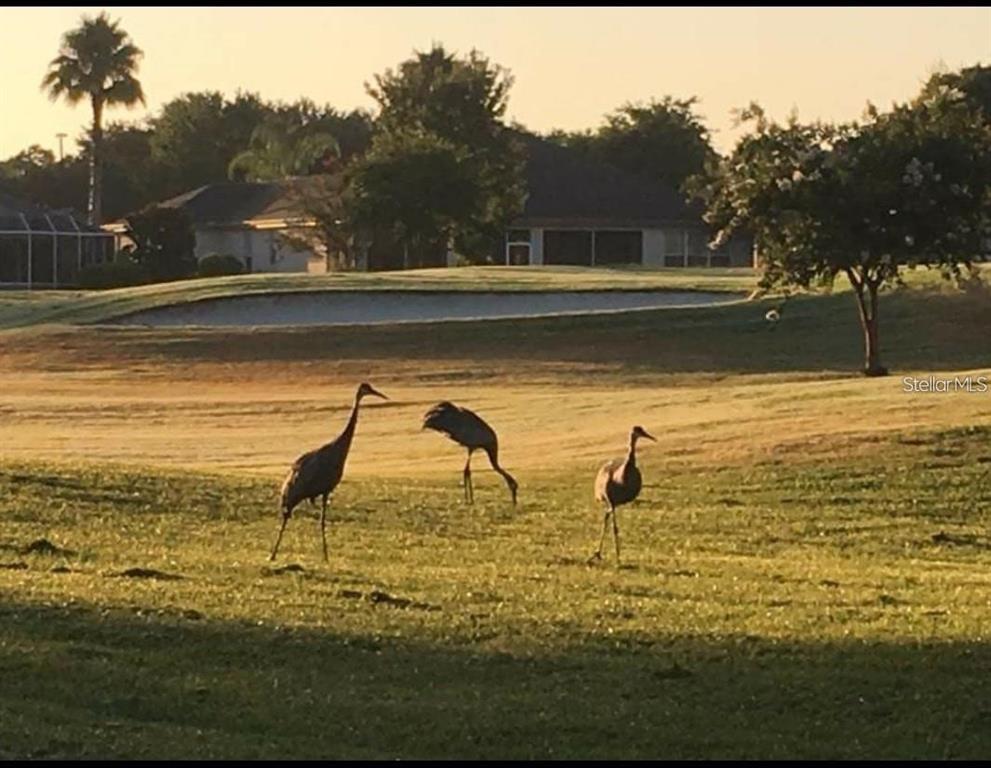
(905, 188)
(447, 112)
(416, 183)
(196, 135)
(281, 148)
(974, 83)
(664, 140)
(26, 161)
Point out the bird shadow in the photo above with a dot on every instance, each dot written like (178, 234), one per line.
(283, 569)
(39, 547)
(144, 573)
(566, 561)
(960, 540)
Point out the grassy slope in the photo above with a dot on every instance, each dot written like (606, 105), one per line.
(807, 566)
(716, 385)
(23, 308)
(778, 611)
(29, 308)
(928, 326)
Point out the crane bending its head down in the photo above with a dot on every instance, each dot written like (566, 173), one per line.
(468, 429)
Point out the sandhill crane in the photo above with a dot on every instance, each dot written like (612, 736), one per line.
(618, 482)
(470, 430)
(317, 473)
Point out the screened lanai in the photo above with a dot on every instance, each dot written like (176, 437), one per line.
(41, 248)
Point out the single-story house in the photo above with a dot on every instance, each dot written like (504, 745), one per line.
(584, 212)
(43, 247)
(249, 220)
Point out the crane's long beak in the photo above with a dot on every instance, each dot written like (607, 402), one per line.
(649, 437)
(373, 391)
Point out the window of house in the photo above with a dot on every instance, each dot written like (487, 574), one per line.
(698, 249)
(518, 247)
(568, 246)
(618, 247)
(518, 254)
(674, 248)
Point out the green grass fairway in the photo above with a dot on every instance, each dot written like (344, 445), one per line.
(807, 573)
(778, 610)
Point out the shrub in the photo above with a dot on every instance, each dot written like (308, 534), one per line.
(113, 274)
(164, 240)
(216, 265)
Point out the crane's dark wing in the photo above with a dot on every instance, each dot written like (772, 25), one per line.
(301, 480)
(464, 427)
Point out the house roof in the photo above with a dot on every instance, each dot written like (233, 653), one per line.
(565, 188)
(241, 204)
(230, 202)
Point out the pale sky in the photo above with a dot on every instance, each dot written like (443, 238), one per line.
(571, 65)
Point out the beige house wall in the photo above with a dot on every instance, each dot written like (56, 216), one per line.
(264, 248)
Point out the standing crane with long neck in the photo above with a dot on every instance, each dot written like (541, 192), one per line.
(618, 482)
(471, 431)
(318, 472)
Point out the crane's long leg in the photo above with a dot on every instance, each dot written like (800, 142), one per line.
(323, 527)
(285, 519)
(469, 491)
(597, 555)
(615, 533)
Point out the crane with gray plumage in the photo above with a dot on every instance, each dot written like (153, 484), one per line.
(471, 431)
(318, 472)
(618, 482)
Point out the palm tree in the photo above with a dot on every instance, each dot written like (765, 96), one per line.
(96, 60)
(279, 149)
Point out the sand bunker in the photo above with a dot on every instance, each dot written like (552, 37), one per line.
(376, 307)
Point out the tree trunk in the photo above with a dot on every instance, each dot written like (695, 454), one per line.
(867, 303)
(872, 362)
(95, 207)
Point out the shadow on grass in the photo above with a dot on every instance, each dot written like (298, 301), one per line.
(81, 682)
